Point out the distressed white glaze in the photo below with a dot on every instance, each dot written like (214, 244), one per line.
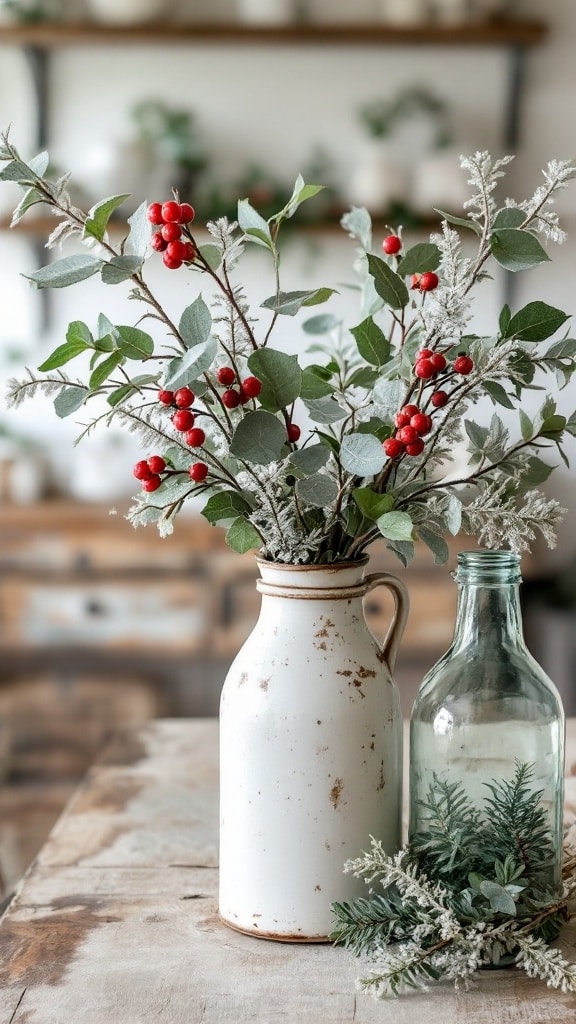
(310, 750)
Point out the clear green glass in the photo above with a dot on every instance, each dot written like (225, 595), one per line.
(487, 703)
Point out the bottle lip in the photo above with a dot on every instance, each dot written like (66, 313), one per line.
(490, 567)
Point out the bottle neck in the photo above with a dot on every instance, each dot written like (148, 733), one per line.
(489, 612)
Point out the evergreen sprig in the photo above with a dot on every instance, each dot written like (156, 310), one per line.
(471, 890)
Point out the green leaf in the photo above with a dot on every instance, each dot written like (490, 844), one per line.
(504, 321)
(363, 377)
(134, 343)
(436, 543)
(389, 286)
(300, 193)
(195, 323)
(358, 223)
(69, 400)
(78, 339)
(63, 273)
(290, 303)
(536, 322)
(17, 170)
(396, 526)
(196, 361)
(322, 323)
(553, 427)
(362, 454)
(31, 198)
(526, 426)
(320, 490)
(388, 396)
(259, 438)
(242, 536)
(120, 268)
(497, 393)
(99, 215)
(313, 386)
(212, 253)
(419, 258)
(281, 377)
(310, 460)
(255, 228)
(372, 505)
(138, 240)
(375, 426)
(325, 410)
(372, 343)
(103, 370)
(224, 506)
(459, 222)
(500, 900)
(509, 217)
(403, 549)
(517, 250)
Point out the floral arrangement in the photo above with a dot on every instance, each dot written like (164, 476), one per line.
(311, 461)
(469, 892)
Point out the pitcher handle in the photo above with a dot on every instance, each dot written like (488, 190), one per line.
(389, 648)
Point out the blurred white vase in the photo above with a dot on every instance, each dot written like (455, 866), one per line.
(439, 183)
(126, 12)
(378, 179)
(403, 12)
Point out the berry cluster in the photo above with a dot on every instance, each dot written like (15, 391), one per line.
(411, 422)
(148, 472)
(170, 217)
(249, 388)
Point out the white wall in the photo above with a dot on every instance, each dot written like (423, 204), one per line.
(274, 106)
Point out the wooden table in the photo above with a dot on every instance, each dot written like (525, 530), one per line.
(116, 921)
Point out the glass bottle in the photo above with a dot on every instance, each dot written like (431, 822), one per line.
(487, 704)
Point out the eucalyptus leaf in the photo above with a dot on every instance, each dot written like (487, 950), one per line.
(322, 323)
(509, 217)
(320, 491)
(255, 228)
(372, 343)
(134, 343)
(195, 323)
(313, 386)
(310, 460)
(362, 454)
(325, 410)
(120, 268)
(388, 397)
(358, 223)
(69, 400)
(225, 506)
(212, 254)
(436, 543)
(259, 438)
(183, 369)
(396, 526)
(138, 239)
(63, 273)
(500, 900)
(517, 250)
(290, 303)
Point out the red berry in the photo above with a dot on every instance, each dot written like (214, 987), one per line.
(189, 252)
(187, 213)
(156, 464)
(154, 213)
(152, 483)
(424, 353)
(409, 411)
(165, 397)
(438, 399)
(157, 242)
(393, 447)
(407, 435)
(293, 431)
(421, 423)
(415, 282)
(415, 447)
(142, 470)
(226, 375)
(424, 369)
(428, 281)
(183, 420)
(231, 399)
(177, 250)
(170, 232)
(184, 398)
(198, 471)
(252, 387)
(243, 396)
(171, 211)
(195, 437)
(401, 419)
(171, 262)
(438, 361)
(391, 245)
(463, 364)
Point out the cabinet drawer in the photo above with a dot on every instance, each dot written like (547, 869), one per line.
(121, 615)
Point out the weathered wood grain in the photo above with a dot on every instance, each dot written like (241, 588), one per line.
(117, 922)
